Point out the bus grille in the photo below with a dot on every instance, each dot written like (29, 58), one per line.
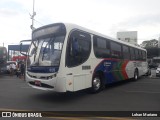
(42, 85)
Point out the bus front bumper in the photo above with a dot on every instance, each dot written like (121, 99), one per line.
(56, 84)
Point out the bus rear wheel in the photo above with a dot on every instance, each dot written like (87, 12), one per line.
(136, 75)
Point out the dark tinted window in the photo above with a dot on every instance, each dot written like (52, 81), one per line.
(116, 50)
(101, 47)
(137, 54)
(126, 54)
(78, 49)
(140, 55)
(132, 53)
(144, 55)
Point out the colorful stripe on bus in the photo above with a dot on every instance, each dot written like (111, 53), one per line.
(113, 69)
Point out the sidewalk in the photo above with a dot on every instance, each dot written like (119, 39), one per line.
(153, 74)
(154, 77)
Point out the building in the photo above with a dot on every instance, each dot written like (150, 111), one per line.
(128, 36)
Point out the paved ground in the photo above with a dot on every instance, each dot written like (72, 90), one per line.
(141, 95)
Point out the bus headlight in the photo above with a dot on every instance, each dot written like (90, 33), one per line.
(50, 77)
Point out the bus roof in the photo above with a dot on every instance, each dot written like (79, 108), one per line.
(74, 26)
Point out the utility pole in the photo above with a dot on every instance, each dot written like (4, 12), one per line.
(32, 16)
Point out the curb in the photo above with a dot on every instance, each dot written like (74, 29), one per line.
(154, 77)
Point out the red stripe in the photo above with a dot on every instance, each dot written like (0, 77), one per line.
(124, 69)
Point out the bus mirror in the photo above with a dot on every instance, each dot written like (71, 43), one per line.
(24, 46)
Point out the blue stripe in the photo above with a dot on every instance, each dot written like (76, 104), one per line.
(108, 67)
(43, 69)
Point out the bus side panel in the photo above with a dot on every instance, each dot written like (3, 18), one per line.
(130, 68)
(115, 70)
(142, 67)
(79, 82)
(78, 78)
(60, 85)
(132, 65)
(145, 67)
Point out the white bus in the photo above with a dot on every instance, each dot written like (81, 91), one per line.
(66, 57)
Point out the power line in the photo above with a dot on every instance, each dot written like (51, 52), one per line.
(34, 18)
(38, 22)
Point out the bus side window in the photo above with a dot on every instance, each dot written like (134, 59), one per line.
(140, 55)
(101, 47)
(78, 48)
(132, 54)
(137, 54)
(116, 50)
(126, 54)
(75, 48)
(144, 55)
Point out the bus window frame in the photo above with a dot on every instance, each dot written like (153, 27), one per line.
(129, 54)
(121, 53)
(68, 44)
(95, 46)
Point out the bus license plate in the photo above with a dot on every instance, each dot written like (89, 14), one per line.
(38, 83)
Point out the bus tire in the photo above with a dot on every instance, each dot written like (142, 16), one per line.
(97, 84)
(136, 75)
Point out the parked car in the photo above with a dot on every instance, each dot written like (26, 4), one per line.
(5, 69)
(153, 65)
(158, 71)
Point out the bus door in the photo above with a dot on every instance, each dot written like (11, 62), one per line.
(77, 61)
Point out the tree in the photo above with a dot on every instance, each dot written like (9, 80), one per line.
(152, 52)
(150, 43)
(152, 48)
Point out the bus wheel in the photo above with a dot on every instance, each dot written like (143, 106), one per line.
(136, 75)
(96, 84)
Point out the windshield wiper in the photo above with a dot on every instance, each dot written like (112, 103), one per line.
(34, 45)
(49, 42)
(35, 50)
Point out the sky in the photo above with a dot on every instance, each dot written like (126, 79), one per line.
(104, 16)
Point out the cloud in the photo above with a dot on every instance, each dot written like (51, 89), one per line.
(151, 19)
(104, 16)
(4, 12)
(147, 25)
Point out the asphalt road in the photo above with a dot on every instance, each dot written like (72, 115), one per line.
(141, 95)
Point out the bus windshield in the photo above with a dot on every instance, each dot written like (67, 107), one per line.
(46, 51)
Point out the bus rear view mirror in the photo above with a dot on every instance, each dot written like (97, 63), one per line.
(24, 46)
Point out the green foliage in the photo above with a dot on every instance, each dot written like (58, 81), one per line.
(150, 44)
(153, 52)
(152, 48)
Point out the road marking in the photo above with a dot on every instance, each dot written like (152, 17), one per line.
(143, 92)
(8, 109)
(26, 87)
(147, 83)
